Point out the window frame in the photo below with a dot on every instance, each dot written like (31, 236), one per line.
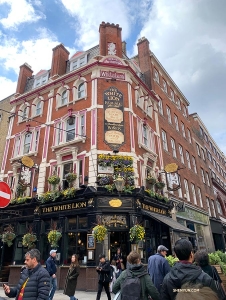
(168, 112)
(186, 187)
(193, 193)
(176, 122)
(164, 140)
(188, 159)
(181, 153)
(173, 146)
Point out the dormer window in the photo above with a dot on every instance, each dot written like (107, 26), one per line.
(41, 78)
(78, 60)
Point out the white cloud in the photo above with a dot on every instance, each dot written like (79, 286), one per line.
(90, 14)
(7, 87)
(190, 42)
(20, 12)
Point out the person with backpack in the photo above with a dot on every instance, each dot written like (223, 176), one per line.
(134, 282)
(183, 272)
(114, 271)
(104, 273)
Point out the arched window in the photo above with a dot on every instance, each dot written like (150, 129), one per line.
(38, 108)
(70, 129)
(81, 90)
(24, 113)
(219, 208)
(64, 97)
(27, 142)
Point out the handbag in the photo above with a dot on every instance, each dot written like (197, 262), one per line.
(118, 296)
(220, 290)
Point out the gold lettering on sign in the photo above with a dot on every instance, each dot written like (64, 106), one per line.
(63, 207)
(154, 209)
(115, 137)
(113, 115)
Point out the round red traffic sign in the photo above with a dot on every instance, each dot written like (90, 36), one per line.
(5, 194)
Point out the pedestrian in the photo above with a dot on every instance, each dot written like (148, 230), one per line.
(202, 260)
(158, 266)
(103, 271)
(119, 261)
(115, 271)
(34, 283)
(52, 269)
(184, 271)
(71, 279)
(144, 286)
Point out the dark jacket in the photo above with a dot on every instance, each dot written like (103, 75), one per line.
(182, 273)
(147, 287)
(104, 273)
(71, 280)
(37, 287)
(158, 267)
(51, 266)
(209, 270)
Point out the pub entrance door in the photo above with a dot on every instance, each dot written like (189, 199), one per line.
(119, 239)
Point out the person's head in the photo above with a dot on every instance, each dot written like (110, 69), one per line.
(202, 258)
(198, 293)
(53, 253)
(102, 258)
(162, 250)
(113, 262)
(74, 259)
(183, 249)
(118, 251)
(134, 258)
(32, 258)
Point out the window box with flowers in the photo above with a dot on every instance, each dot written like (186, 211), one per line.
(53, 237)
(29, 240)
(99, 233)
(50, 196)
(137, 233)
(8, 236)
(160, 185)
(151, 180)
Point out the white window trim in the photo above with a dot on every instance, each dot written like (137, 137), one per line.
(40, 79)
(59, 95)
(200, 197)
(176, 122)
(193, 193)
(181, 154)
(150, 147)
(160, 107)
(168, 112)
(76, 84)
(188, 159)
(78, 137)
(34, 106)
(20, 112)
(173, 146)
(187, 190)
(164, 140)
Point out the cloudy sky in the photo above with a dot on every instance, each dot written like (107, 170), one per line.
(187, 36)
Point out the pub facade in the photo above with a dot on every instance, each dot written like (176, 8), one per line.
(93, 119)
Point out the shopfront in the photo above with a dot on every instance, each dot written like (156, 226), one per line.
(76, 217)
(198, 221)
(218, 234)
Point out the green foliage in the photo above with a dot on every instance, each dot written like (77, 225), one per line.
(214, 258)
(128, 189)
(218, 258)
(54, 179)
(171, 260)
(53, 237)
(221, 255)
(137, 233)
(49, 196)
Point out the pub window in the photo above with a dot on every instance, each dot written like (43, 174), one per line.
(72, 224)
(67, 168)
(83, 223)
(22, 228)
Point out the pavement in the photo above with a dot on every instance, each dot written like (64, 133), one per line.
(78, 294)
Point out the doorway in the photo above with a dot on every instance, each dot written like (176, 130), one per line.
(119, 239)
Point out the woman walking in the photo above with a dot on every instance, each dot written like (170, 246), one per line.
(71, 279)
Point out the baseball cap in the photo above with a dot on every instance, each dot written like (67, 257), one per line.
(52, 251)
(162, 248)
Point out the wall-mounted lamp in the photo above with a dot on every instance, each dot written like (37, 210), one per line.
(119, 183)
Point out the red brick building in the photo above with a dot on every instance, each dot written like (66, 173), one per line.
(99, 114)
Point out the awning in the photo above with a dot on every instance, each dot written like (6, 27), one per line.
(169, 222)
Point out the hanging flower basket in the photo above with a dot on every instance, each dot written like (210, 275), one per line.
(54, 179)
(8, 237)
(99, 232)
(53, 237)
(136, 233)
(20, 189)
(29, 239)
(151, 180)
(160, 185)
(70, 177)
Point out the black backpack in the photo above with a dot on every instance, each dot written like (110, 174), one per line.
(111, 273)
(131, 286)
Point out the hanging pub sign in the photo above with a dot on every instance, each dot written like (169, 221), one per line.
(25, 171)
(172, 177)
(114, 135)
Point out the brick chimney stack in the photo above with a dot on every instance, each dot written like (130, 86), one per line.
(25, 72)
(145, 59)
(110, 33)
(59, 60)
(124, 47)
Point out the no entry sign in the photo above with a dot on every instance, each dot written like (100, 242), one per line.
(5, 194)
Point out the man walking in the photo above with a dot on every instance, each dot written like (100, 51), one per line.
(104, 276)
(158, 266)
(52, 269)
(183, 272)
(34, 283)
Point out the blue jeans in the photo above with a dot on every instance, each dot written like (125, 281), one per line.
(72, 298)
(53, 286)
